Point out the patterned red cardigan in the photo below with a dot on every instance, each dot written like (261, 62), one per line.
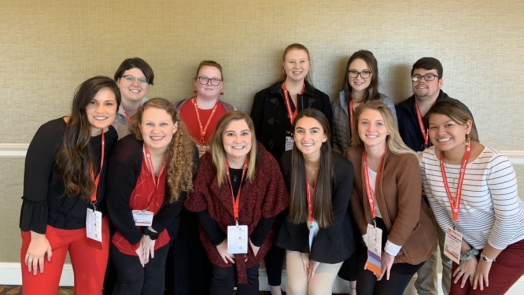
(265, 197)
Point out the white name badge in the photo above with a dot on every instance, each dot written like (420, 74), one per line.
(237, 239)
(289, 143)
(94, 225)
(452, 245)
(374, 244)
(143, 217)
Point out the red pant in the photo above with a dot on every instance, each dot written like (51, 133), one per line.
(504, 272)
(88, 258)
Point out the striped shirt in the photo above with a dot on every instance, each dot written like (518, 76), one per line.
(490, 208)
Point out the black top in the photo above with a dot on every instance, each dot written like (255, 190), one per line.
(270, 115)
(123, 171)
(335, 243)
(44, 200)
(216, 236)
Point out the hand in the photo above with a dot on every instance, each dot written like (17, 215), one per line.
(305, 262)
(148, 248)
(312, 268)
(38, 248)
(140, 253)
(254, 248)
(387, 262)
(222, 250)
(466, 271)
(481, 275)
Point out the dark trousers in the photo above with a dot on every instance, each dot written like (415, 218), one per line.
(274, 260)
(225, 278)
(133, 279)
(400, 275)
(504, 272)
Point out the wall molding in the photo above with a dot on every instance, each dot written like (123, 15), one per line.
(19, 150)
(10, 274)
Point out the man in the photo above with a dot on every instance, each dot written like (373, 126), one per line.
(426, 83)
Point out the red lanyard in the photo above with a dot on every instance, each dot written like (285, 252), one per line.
(368, 186)
(309, 201)
(425, 133)
(236, 202)
(96, 179)
(203, 130)
(151, 169)
(291, 115)
(128, 119)
(455, 203)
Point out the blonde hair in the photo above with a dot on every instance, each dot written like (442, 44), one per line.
(298, 46)
(218, 153)
(393, 140)
(179, 164)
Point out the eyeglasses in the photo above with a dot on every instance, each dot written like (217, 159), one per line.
(364, 74)
(205, 80)
(427, 77)
(132, 79)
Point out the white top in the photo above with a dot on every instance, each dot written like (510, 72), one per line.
(490, 208)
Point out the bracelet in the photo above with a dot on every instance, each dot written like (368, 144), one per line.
(469, 255)
(152, 235)
(485, 258)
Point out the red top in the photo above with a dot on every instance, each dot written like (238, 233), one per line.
(189, 117)
(145, 197)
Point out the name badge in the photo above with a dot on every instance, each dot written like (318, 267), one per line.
(374, 244)
(289, 143)
(452, 245)
(143, 217)
(237, 239)
(94, 225)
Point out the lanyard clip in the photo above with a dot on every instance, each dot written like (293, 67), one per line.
(236, 221)
(94, 206)
(374, 222)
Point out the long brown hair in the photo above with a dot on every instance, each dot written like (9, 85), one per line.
(74, 158)
(457, 112)
(323, 206)
(218, 153)
(371, 61)
(179, 160)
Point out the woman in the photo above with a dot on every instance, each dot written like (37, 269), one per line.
(133, 76)
(318, 232)
(238, 185)
(189, 272)
(481, 184)
(64, 180)
(202, 112)
(148, 177)
(387, 204)
(360, 85)
(273, 112)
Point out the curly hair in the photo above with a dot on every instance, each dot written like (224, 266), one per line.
(74, 159)
(179, 165)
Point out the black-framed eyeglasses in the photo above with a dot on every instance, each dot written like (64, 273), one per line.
(427, 77)
(364, 74)
(132, 79)
(206, 80)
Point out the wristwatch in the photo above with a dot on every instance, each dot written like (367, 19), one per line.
(151, 234)
(485, 258)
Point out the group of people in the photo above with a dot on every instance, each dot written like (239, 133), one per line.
(151, 197)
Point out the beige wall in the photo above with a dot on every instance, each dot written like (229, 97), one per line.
(47, 48)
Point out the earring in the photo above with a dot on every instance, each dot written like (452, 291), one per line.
(194, 91)
(221, 92)
(467, 138)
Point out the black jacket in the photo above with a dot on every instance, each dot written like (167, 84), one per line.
(269, 114)
(408, 126)
(335, 243)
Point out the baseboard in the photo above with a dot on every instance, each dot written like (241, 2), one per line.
(10, 274)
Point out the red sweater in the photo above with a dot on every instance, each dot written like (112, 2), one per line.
(265, 197)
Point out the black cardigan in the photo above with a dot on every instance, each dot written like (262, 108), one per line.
(335, 243)
(123, 171)
(270, 117)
